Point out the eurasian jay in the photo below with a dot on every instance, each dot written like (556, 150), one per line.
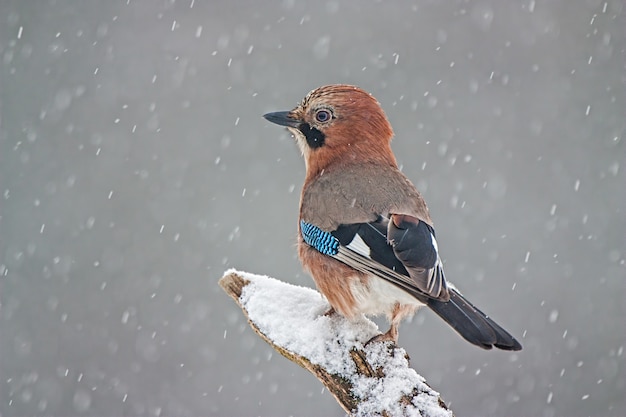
(365, 233)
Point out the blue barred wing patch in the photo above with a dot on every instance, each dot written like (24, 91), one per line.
(323, 241)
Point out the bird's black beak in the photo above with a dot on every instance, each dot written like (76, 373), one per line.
(282, 118)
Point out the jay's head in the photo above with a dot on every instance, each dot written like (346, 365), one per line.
(338, 122)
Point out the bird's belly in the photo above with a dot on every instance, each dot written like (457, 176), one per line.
(379, 297)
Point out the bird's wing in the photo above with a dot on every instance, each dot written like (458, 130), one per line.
(414, 244)
(401, 250)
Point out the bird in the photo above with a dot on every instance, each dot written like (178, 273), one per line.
(365, 234)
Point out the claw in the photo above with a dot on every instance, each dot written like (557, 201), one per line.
(390, 336)
(330, 312)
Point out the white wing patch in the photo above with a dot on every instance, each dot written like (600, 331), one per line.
(432, 238)
(436, 279)
(359, 246)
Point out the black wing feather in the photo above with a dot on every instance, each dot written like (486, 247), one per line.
(388, 263)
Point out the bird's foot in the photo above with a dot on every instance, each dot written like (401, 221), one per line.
(390, 336)
(330, 312)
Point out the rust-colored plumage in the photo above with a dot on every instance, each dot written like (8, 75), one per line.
(368, 240)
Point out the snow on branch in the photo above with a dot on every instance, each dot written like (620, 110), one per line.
(365, 380)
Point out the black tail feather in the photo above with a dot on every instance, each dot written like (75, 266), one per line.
(471, 323)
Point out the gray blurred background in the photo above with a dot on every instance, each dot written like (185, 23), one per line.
(135, 167)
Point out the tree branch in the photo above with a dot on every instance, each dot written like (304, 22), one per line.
(365, 380)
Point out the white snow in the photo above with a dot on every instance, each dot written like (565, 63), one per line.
(293, 317)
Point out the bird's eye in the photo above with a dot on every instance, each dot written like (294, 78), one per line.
(322, 116)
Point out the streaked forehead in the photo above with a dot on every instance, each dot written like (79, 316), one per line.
(328, 91)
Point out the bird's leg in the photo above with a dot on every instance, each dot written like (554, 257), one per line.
(395, 316)
(390, 336)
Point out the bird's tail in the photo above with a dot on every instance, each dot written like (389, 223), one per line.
(471, 323)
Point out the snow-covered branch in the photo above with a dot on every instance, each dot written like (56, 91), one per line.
(365, 380)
